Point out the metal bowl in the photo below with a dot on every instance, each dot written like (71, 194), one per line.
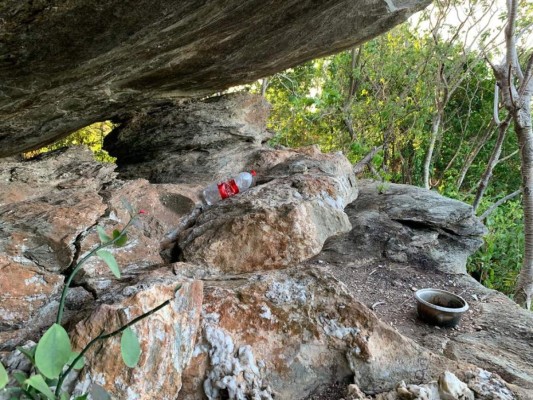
(440, 307)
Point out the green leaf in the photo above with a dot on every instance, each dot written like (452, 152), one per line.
(29, 353)
(20, 377)
(130, 348)
(4, 379)
(79, 364)
(123, 239)
(38, 383)
(82, 397)
(178, 287)
(104, 237)
(53, 351)
(109, 259)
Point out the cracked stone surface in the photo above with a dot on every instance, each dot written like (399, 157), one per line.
(65, 65)
(407, 224)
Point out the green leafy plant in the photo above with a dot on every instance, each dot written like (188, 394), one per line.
(52, 357)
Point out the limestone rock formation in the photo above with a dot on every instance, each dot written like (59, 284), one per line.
(167, 338)
(257, 314)
(285, 219)
(66, 65)
(302, 329)
(404, 223)
(194, 142)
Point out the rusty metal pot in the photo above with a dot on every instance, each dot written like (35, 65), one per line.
(440, 307)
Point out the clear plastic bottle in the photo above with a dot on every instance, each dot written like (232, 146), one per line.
(222, 190)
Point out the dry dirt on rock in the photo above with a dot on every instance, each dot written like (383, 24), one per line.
(388, 289)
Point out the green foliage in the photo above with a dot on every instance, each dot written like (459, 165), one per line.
(91, 136)
(53, 351)
(38, 382)
(130, 348)
(53, 357)
(109, 259)
(498, 263)
(3, 377)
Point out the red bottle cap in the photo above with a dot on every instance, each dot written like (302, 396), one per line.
(253, 172)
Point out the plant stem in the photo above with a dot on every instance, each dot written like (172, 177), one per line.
(79, 265)
(103, 336)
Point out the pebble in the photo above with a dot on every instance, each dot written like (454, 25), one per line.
(413, 288)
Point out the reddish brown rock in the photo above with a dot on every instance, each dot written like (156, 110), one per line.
(167, 338)
(56, 199)
(165, 207)
(287, 332)
(297, 204)
(27, 296)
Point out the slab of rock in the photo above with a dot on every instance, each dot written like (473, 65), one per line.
(285, 333)
(405, 223)
(28, 300)
(165, 207)
(197, 142)
(47, 202)
(503, 344)
(167, 338)
(297, 204)
(65, 66)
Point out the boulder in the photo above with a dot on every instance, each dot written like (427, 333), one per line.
(284, 333)
(28, 300)
(65, 66)
(195, 142)
(297, 204)
(47, 202)
(49, 209)
(167, 338)
(403, 223)
(164, 207)
(502, 342)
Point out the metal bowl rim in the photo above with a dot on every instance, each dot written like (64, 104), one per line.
(440, 308)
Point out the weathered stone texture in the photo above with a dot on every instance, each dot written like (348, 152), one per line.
(285, 219)
(64, 65)
(167, 338)
(404, 223)
(195, 142)
(298, 328)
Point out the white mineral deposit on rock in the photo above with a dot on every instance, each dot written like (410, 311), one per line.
(236, 374)
(335, 329)
(288, 291)
(489, 386)
(451, 388)
(267, 312)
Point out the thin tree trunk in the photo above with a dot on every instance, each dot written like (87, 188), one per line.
(264, 86)
(524, 287)
(429, 155)
(494, 157)
(517, 100)
(472, 156)
(352, 90)
(360, 166)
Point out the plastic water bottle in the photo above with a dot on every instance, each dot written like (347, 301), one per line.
(222, 190)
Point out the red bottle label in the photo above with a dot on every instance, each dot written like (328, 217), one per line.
(227, 189)
(233, 186)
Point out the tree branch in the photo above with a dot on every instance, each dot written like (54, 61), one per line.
(360, 166)
(491, 209)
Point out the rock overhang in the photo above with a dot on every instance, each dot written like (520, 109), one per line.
(64, 65)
